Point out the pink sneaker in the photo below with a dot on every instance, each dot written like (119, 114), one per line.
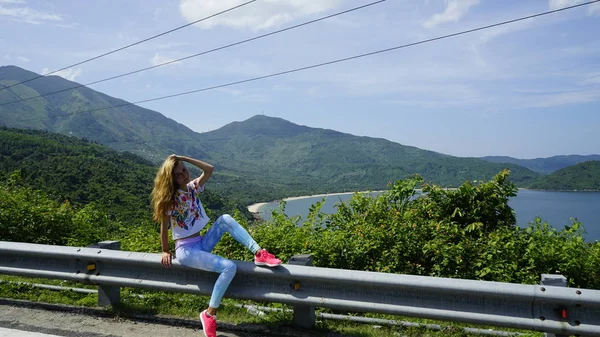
(209, 324)
(264, 258)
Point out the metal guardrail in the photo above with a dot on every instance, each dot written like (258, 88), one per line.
(545, 308)
(256, 310)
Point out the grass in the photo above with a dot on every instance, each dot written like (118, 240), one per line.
(187, 306)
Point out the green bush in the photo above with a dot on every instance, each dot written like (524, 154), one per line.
(28, 215)
(468, 232)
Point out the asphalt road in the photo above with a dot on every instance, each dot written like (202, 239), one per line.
(37, 319)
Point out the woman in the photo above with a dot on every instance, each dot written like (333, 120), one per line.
(176, 204)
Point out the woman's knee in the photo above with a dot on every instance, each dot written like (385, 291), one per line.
(227, 221)
(227, 218)
(229, 267)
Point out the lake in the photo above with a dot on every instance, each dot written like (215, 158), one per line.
(554, 207)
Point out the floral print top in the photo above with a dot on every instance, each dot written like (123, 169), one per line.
(187, 216)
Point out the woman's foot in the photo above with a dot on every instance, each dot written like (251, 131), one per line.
(264, 258)
(209, 324)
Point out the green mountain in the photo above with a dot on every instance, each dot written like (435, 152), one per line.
(129, 128)
(544, 165)
(583, 176)
(82, 172)
(299, 155)
(262, 158)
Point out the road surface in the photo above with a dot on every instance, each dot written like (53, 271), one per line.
(27, 319)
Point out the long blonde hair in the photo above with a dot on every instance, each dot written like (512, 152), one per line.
(164, 189)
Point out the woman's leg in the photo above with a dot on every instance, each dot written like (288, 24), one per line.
(195, 256)
(227, 224)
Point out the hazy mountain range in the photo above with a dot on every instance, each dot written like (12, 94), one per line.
(270, 156)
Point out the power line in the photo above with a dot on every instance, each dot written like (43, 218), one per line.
(196, 55)
(131, 45)
(325, 63)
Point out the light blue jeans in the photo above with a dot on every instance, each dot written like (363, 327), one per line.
(195, 252)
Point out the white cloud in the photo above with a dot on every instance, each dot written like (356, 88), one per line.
(581, 51)
(255, 16)
(12, 1)
(69, 74)
(565, 98)
(557, 4)
(68, 25)
(23, 58)
(592, 9)
(495, 32)
(241, 67)
(171, 45)
(477, 48)
(477, 57)
(26, 14)
(230, 91)
(255, 95)
(419, 83)
(591, 79)
(455, 9)
(127, 38)
(160, 59)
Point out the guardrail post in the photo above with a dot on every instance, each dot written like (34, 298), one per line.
(555, 280)
(304, 315)
(108, 295)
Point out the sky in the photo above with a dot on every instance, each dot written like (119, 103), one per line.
(528, 89)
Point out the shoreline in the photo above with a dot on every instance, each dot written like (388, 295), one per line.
(255, 208)
(324, 195)
(546, 190)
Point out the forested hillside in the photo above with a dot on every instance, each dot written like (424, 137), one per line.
(82, 172)
(544, 165)
(259, 159)
(582, 177)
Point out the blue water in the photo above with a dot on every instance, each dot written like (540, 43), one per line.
(554, 207)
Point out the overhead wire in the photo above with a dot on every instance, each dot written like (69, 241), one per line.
(197, 54)
(131, 45)
(325, 63)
